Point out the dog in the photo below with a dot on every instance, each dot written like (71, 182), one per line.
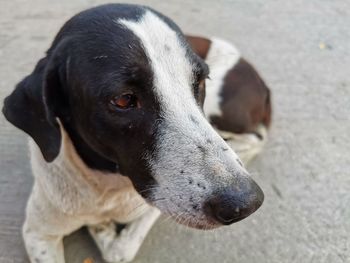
(118, 135)
(238, 102)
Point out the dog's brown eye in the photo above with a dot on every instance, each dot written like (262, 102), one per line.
(201, 84)
(125, 101)
(200, 92)
(199, 87)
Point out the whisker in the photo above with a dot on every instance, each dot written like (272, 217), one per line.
(149, 189)
(142, 205)
(159, 199)
(187, 222)
(164, 219)
(183, 221)
(179, 216)
(171, 216)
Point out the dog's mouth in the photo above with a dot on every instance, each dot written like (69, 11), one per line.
(205, 222)
(201, 223)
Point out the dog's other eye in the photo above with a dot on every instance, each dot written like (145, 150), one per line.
(201, 84)
(199, 87)
(125, 101)
(199, 92)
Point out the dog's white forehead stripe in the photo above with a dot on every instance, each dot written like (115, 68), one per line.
(172, 69)
(188, 149)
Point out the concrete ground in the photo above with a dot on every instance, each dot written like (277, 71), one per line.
(302, 49)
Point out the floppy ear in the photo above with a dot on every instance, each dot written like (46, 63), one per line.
(33, 105)
(199, 45)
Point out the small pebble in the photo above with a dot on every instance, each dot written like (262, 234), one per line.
(88, 260)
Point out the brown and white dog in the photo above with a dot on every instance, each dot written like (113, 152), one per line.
(118, 135)
(237, 101)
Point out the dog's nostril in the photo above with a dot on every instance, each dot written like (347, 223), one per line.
(226, 216)
(230, 206)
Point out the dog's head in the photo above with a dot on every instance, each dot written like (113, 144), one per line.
(129, 90)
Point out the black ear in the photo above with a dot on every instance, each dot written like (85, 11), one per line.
(33, 105)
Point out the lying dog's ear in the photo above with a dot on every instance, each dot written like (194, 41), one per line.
(33, 105)
(268, 108)
(199, 45)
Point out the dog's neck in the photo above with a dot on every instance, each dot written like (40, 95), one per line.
(68, 171)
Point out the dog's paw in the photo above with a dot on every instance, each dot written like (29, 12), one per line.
(116, 245)
(120, 252)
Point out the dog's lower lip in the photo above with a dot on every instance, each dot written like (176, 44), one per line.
(197, 225)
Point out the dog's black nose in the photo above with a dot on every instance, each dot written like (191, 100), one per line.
(235, 203)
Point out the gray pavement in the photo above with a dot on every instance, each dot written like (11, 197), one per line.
(305, 168)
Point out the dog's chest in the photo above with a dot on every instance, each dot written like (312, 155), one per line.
(87, 195)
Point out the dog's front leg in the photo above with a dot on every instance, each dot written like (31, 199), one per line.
(43, 248)
(124, 246)
(41, 238)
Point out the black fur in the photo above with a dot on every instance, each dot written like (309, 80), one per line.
(92, 60)
(25, 108)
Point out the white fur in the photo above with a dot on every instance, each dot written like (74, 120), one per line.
(222, 56)
(184, 135)
(123, 248)
(67, 195)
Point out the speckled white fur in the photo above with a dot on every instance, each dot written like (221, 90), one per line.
(191, 158)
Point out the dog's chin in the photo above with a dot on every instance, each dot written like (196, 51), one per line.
(189, 221)
(197, 224)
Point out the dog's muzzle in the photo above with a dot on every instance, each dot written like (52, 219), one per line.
(200, 180)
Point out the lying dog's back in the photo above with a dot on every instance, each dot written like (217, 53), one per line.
(237, 101)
